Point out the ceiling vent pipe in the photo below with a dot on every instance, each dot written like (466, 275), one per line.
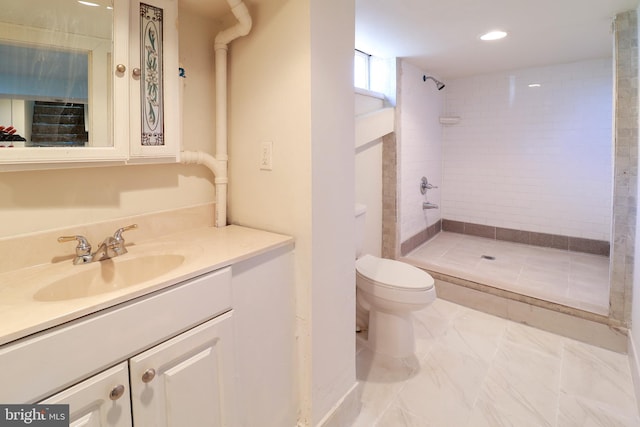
(218, 164)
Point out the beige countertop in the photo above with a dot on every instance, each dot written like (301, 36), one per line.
(204, 250)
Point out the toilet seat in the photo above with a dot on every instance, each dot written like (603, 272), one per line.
(393, 280)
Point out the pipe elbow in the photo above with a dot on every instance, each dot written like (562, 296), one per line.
(218, 168)
(241, 12)
(242, 27)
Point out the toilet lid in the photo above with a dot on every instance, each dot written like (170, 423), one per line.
(394, 274)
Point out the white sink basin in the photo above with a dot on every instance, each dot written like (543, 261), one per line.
(109, 275)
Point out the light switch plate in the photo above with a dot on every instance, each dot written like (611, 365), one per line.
(266, 156)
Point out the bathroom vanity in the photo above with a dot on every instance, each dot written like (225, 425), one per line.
(176, 349)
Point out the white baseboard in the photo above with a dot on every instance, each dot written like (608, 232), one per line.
(345, 412)
(634, 364)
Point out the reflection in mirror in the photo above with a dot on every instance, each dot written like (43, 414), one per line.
(55, 80)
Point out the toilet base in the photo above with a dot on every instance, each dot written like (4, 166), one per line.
(391, 334)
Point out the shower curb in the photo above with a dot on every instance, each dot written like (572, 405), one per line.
(574, 323)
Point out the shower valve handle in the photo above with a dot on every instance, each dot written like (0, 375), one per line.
(425, 185)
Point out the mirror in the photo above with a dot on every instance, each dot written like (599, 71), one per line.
(55, 79)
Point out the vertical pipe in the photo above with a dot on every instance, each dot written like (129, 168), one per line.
(222, 40)
(221, 133)
(218, 164)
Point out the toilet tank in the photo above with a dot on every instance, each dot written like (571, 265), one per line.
(361, 214)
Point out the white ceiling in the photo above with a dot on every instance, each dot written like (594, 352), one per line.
(441, 37)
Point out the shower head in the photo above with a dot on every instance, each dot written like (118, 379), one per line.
(438, 83)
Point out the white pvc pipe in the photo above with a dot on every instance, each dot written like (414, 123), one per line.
(218, 164)
(219, 169)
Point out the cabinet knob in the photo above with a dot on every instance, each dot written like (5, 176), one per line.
(136, 72)
(148, 375)
(116, 392)
(121, 68)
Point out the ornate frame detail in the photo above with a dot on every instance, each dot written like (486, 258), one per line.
(151, 78)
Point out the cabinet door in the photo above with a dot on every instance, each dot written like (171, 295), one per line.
(187, 380)
(100, 401)
(154, 84)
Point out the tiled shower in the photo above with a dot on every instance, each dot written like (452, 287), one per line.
(532, 151)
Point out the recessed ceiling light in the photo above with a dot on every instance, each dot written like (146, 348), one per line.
(493, 35)
(535, 85)
(88, 3)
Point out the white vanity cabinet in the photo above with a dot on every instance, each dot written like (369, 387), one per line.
(185, 381)
(100, 401)
(187, 321)
(216, 349)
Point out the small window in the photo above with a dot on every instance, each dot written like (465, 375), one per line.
(361, 70)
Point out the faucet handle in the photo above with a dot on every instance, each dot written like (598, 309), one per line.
(118, 246)
(83, 248)
(118, 234)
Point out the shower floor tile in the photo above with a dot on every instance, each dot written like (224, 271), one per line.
(573, 279)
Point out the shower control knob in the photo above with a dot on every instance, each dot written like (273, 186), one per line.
(425, 185)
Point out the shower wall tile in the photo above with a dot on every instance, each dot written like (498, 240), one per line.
(453, 226)
(419, 105)
(480, 230)
(626, 166)
(550, 240)
(520, 157)
(516, 236)
(389, 196)
(590, 246)
(574, 244)
(420, 238)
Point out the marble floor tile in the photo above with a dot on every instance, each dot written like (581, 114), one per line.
(445, 389)
(525, 383)
(485, 371)
(381, 379)
(486, 414)
(475, 334)
(396, 416)
(534, 339)
(576, 412)
(598, 375)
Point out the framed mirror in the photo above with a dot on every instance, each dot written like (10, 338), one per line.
(56, 80)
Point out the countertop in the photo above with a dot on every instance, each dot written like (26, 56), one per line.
(204, 250)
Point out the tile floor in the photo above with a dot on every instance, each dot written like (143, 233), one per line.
(570, 278)
(475, 370)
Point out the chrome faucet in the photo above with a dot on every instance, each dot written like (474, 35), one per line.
(110, 247)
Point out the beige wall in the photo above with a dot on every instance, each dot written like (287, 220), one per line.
(269, 72)
(43, 200)
(292, 85)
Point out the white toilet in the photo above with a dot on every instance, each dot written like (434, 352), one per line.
(389, 290)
